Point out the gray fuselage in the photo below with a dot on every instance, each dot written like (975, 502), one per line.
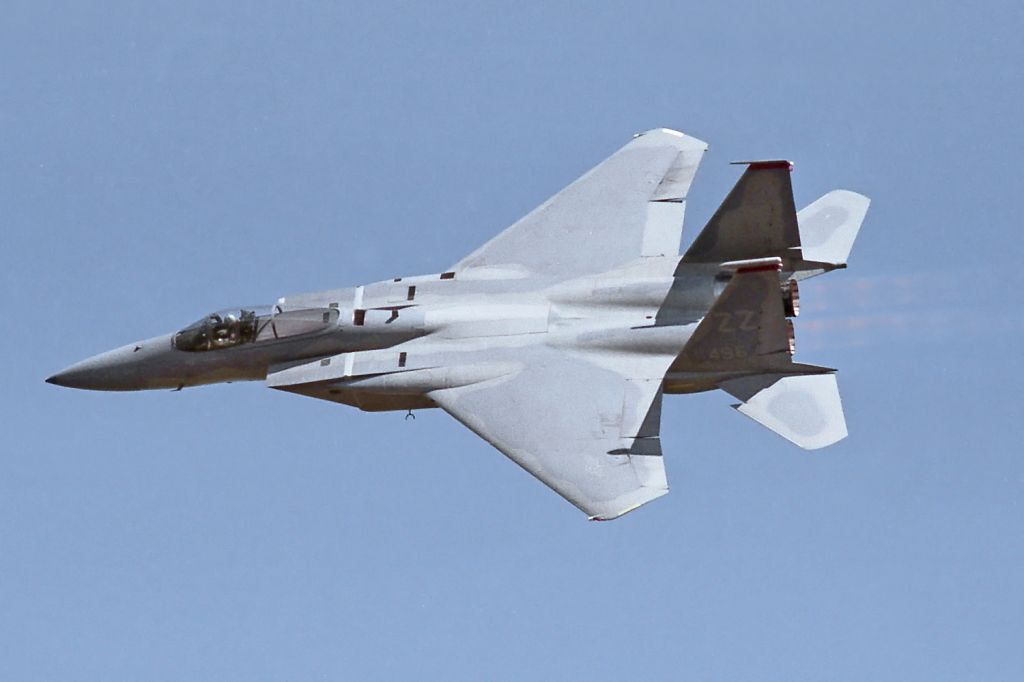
(653, 303)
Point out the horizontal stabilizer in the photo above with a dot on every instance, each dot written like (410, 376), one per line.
(829, 226)
(805, 410)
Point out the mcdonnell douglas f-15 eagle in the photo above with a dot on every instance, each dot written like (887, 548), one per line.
(556, 340)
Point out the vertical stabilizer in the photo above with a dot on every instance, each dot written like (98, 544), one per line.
(746, 328)
(756, 220)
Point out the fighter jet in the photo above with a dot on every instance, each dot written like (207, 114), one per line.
(556, 340)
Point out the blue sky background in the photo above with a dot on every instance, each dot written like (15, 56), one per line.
(160, 160)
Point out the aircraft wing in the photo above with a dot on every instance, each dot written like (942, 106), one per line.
(587, 432)
(628, 206)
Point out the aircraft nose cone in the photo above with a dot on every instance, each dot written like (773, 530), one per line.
(127, 368)
(102, 372)
(65, 378)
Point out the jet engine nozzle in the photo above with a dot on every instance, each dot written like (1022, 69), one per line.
(791, 298)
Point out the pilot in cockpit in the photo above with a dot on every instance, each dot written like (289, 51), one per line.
(235, 327)
(225, 331)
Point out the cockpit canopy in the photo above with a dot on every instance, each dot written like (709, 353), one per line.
(237, 326)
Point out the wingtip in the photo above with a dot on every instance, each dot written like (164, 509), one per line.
(633, 501)
(674, 136)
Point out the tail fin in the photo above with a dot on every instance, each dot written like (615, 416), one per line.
(828, 228)
(745, 335)
(805, 410)
(756, 220)
(746, 328)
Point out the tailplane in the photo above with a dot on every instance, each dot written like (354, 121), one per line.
(805, 410)
(828, 228)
